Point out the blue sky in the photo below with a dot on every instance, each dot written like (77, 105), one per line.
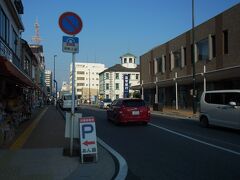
(112, 28)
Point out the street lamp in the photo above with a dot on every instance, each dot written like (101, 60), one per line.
(193, 61)
(54, 80)
(89, 96)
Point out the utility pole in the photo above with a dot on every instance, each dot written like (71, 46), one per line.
(193, 61)
(54, 80)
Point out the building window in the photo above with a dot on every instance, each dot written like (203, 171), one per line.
(117, 76)
(137, 76)
(177, 58)
(159, 64)
(4, 26)
(117, 96)
(185, 56)
(117, 86)
(225, 42)
(80, 72)
(14, 41)
(107, 96)
(96, 84)
(107, 75)
(78, 90)
(92, 84)
(81, 84)
(125, 60)
(107, 86)
(213, 46)
(202, 49)
(170, 60)
(130, 60)
(80, 78)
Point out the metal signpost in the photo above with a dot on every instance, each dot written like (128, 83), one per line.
(88, 138)
(70, 23)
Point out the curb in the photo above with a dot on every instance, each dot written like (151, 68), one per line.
(175, 116)
(122, 164)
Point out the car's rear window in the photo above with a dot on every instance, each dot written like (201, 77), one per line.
(133, 103)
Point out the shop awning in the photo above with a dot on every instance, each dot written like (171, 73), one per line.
(214, 75)
(10, 71)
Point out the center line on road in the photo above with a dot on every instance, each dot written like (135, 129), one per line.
(197, 140)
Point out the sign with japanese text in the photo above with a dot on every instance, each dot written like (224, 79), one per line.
(126, 85)
(70, 44)
(88, 139)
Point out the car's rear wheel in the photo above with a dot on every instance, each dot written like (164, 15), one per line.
(204, 121)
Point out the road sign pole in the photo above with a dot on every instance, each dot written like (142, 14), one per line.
(71, 24)
(73, 102)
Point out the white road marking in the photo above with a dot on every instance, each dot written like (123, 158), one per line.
(196, 140)
(123, 167)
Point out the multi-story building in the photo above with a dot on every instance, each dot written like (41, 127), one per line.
(113, 82)
(167, 70)
(87, 80)
(40, 71)
(48, 82)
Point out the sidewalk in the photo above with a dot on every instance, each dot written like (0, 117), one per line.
(38, 158)
(185, 114)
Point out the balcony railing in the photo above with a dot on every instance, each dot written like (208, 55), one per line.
(6, 52)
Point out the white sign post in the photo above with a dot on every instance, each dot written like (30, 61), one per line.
(88, 140)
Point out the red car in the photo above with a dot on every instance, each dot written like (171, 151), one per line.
(128, 110)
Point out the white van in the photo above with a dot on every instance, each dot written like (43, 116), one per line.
(221, 108)
(66, 102)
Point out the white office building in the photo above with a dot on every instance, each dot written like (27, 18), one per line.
(112, 81)
(87, 80)
(48, 81)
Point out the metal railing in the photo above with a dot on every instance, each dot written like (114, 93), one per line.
(8, 53)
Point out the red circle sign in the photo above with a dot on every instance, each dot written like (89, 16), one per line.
(70, 23)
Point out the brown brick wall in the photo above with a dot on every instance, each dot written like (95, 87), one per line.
(228, 20)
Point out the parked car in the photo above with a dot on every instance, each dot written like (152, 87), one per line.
(221, 108)
(105, 103)
(128, 110)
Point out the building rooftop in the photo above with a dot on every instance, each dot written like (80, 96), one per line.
(128, 54)
(120, 68)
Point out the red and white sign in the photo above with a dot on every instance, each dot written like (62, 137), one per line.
(70, 23)
(88, 138)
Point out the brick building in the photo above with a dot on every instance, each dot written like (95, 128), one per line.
(166, 70)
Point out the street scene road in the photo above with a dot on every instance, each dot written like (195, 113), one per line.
(120, 90)
(172, 148)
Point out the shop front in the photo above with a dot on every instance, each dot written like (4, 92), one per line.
(16, 90)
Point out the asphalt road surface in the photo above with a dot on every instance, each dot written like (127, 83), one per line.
(170, 148)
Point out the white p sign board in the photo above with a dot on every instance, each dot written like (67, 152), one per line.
(88, 138)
